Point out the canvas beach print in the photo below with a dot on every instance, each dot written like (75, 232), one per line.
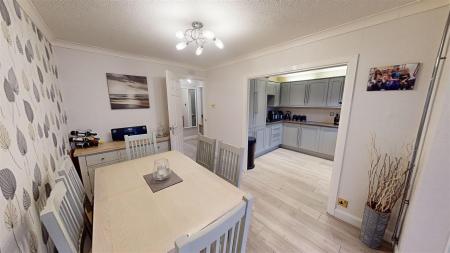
(394, 77)
(127, 92)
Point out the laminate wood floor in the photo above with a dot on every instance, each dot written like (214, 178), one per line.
(290, 191)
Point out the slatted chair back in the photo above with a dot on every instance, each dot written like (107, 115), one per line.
(74, 184)
(206, 152)
(229, 163)
(64, 226)
(138, 146)
(228, 234)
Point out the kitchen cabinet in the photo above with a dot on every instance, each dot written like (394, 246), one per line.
(276, 135)
(285, 94)
(317, 93)
(298, 93)
(260, 137)
(335, 91)
(309, 138)
(290, 135)
(324, 93)
(327, 140)
(267, 138)
(313, 140)
(273, 94)
(258, 99)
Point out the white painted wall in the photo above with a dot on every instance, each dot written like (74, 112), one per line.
(393, 115)
(82, 75)
(427, 224)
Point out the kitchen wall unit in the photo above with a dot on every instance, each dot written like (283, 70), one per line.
(312, 93)
(310, 139)
(273, 94)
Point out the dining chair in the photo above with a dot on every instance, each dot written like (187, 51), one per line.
(141, 145)
(228, 234)
(229, 163)
(206, 152)
(63, 224)
(67, 174)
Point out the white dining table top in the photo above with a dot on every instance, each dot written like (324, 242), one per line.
(129, 217)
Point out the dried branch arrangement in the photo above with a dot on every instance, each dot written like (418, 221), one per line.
(387, 176)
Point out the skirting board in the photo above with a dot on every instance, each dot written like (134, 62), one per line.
(356, 221)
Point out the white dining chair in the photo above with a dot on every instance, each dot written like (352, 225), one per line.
(229, 163)
(77, 196)
(64, 226)
(206, 152)
(228, 234)
(138, 146)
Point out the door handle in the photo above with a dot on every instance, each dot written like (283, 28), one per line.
(172, 129)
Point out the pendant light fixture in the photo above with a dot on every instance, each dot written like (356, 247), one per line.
(198, 37)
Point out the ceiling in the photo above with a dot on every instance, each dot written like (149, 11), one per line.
(147, 27)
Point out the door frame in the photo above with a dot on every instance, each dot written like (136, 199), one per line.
(347, 99)
(183, 76)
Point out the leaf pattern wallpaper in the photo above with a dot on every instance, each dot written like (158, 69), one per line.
(32, 129)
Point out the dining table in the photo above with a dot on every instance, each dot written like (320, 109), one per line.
(130, 217)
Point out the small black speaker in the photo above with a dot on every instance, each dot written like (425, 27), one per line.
(118, 134)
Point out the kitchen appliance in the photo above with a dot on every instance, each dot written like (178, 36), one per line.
(280, 115)
(336, 119)
(302, 118)
(270, 116)
(118, 134)
(287, 116)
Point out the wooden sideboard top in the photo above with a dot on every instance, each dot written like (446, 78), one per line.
(108, 147)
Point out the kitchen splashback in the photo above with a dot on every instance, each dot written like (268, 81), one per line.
(313, 114)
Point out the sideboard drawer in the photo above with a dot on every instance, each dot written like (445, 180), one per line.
(102, 158)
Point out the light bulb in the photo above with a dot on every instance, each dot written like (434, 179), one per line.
(218, 43)
(179, 34)
(181, 45)
(208, 34)
(199, 50)
(189, 80)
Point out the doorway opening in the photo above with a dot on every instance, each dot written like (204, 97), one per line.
(193, 119)
(303, 100)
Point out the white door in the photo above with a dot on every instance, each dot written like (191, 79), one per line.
(174, 104)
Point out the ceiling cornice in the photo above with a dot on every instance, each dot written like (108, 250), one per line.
(105, 51)
(31, 10)
(402, 11)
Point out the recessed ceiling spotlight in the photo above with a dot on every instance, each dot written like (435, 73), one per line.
(198, 36)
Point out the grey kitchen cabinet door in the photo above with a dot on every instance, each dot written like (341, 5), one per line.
(259, 135)
(260, 106)
(335, 90)
(317, 92)
(327, 140)
(276, 135)
(309, 138)
(290, 135)
(284, 94)
(267, 137)
(297, 94)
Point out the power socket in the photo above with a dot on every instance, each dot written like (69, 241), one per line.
(342, 202)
